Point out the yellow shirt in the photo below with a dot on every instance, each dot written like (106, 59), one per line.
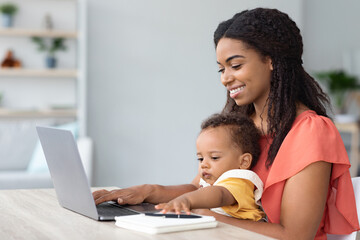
(243, 192)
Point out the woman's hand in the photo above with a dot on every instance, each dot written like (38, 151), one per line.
(132, 195)
(150, 193)
(177, 205)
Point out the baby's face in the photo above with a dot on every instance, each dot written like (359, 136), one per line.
(216, 153)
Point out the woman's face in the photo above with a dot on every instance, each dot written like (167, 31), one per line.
(244, 72)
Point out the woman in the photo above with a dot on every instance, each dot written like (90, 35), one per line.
(303, 164)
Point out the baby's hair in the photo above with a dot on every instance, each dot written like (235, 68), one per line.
(242, 129)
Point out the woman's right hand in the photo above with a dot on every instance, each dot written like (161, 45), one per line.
(132, 195)
(151, 193)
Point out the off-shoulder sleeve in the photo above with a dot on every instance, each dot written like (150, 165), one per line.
(314, 138)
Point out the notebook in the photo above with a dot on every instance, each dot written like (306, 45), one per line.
(156, 225)
(70, 182)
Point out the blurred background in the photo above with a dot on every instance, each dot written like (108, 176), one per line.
(134, 79)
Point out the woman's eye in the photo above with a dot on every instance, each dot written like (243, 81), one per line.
(215, 158)
(236, 66)
(200, 159)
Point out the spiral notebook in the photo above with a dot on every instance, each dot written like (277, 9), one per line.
(156, 225)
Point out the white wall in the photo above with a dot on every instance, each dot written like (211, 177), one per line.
(332, 28)
(152, 80)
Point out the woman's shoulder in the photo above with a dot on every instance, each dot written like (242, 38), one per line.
(312, 133)
(309, 115)
(310, 122)
(312, 138)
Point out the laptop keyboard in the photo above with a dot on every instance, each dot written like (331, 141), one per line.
(113, 209)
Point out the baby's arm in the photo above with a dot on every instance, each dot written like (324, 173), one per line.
(208, 197)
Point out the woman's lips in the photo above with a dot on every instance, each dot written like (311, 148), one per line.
(234, 92)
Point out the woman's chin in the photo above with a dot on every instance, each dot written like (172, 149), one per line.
(241, 102)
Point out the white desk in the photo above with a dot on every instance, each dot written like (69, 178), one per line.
(36, 214)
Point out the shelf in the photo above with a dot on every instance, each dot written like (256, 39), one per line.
(71, 24)
(347, 127)
(60, 113)
(17, 32)
(20, 72)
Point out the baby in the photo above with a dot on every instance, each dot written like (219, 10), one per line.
(227, 147)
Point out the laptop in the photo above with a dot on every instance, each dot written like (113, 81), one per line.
(70, 182)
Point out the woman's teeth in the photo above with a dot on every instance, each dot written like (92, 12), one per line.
(232, 91)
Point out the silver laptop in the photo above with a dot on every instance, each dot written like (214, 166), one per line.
(70, 181)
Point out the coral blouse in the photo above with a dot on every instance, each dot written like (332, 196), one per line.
(312, 138)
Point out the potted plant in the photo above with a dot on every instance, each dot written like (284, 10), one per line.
(50, 47)
(339, 85)
(7, 11)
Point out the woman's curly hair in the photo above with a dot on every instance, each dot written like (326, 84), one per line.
(242, 130)
(274, 34)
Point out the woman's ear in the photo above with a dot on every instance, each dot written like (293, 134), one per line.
(245, 161)
(270, 63)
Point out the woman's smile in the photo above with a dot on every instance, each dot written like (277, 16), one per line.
(234, 92)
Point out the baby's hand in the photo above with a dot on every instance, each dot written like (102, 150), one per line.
(176, 205)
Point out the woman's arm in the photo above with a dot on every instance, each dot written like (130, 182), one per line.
(302, 206)
(209, 197)
(150, 193)
(143, 193)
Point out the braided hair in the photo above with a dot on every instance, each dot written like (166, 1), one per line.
(274, 34)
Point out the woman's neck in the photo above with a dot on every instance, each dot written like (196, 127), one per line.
(260, 117)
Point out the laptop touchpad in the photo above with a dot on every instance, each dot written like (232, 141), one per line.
(143, 207)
